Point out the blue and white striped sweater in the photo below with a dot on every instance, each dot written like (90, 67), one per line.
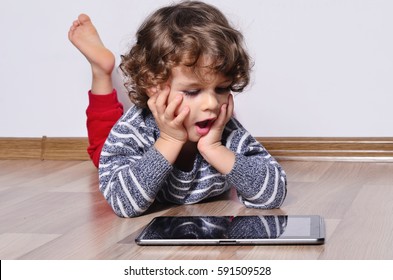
(132, 173)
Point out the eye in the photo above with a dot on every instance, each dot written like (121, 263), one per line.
(222, 90)
(192, 92)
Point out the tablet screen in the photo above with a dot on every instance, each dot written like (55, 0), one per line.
(231, 227)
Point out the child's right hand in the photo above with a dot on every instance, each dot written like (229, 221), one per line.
(170, 125)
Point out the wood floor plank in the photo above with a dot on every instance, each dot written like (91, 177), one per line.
(365, 232)
(51, 179)
(54, 210)
(330, 196)
(19, 172)
(306, 171)
(15, 245)
(88, 240)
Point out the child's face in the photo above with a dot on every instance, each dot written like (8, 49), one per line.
(203, 97)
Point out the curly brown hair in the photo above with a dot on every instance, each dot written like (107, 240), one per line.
(181, 34)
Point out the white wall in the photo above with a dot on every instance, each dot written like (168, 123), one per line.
(322, 67)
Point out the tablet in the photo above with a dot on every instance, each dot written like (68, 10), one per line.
(233, 230)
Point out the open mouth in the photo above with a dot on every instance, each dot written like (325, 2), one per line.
(203, 124)
(203, 127)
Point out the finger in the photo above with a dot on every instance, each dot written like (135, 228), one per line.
(226, 113)
(162, 95)
(220, 122)
(231, 106)
(151, 103)
(182, 116)
(222, 118)
(173, 106)
(162, 99)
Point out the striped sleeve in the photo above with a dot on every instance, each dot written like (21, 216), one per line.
(131, 170)
(259, 179)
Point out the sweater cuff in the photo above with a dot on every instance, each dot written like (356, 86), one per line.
(155, 168)
(103, 102)
(237, 174)
(244, 175)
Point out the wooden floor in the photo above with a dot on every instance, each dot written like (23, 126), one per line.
(53, 210)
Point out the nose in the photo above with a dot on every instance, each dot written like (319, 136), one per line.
(209, 101)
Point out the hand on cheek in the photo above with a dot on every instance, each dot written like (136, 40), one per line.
(213, 138)
(210, 146)
(169, 121)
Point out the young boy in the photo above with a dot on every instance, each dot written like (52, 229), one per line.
(180, 142)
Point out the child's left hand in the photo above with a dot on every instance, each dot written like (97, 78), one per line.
(213, 139)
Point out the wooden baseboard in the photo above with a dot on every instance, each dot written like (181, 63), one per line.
(326, 148)
(298, 148)
(45, 148)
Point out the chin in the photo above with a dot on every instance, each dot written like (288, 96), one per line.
(194, 138)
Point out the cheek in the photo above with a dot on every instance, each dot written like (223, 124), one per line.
(223, 99)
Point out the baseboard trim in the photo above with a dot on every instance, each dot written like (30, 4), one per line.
(285, 148)
(330, 148)
(45, 148)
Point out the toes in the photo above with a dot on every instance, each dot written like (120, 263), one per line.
(75, 24)
(82, 18)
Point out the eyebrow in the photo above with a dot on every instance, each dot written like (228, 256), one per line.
(191, 84)
(198, 84)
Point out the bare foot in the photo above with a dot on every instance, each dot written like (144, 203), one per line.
(84, 36)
